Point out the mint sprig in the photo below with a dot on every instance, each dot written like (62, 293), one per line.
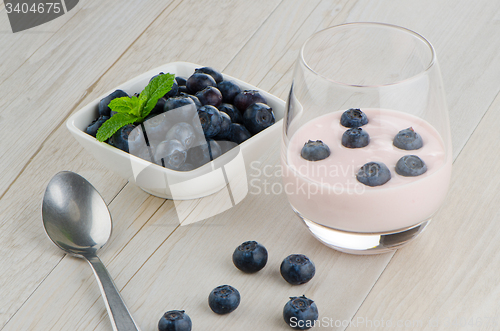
(135, 109)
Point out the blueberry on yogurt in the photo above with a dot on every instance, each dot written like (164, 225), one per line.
(408, 139)
(410, 166)
(355, 138)
(373, 174)
(353, 118)
(315, 150)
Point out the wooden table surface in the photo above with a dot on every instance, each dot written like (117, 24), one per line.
(448, 279)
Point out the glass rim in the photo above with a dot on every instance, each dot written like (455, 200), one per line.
(378, 24)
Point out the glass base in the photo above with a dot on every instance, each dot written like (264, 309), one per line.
(363, 243)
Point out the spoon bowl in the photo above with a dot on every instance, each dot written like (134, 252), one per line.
(77, 220)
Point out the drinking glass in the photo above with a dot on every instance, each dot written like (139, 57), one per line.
(391, 75)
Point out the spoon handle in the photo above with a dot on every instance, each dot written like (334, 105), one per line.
(120, 317)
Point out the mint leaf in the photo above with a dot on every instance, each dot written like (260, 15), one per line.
(114, 124)
(126, 105)
(157, 88)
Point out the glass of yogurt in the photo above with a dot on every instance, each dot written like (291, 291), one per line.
(366, 149)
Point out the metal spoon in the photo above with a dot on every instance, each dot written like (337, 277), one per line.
(77, 220)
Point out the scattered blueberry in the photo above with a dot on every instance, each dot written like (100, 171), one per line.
(224, 299)
(238, 133)
(233, 113)
(300, 313)
(373, 174)
(197, 82)
(209, 96)
(210, 119)
(297, 269)
(170, 154)
(408, 139)
(120, 138)
(353, 118)
(182, 132)
(96, 124)
(229, 90)
(250, 257)
(175, 320)
(217, 76)
(245, 98)
(355, 138)
(410, 165)
(103, 107)
(315, 150)
(257, 117)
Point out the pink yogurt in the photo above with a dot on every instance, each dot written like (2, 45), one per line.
(328, 193)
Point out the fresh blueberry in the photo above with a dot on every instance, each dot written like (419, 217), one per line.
(410, 165)
(355, 138)
(245, 98)
(182, 132)
(224, 127)
(103, 107)
(408, 139)
(315, 150)
(231, 110)
(300, 313)
(201, 154)
(181, 81)
(353, 118)
(250, 257)
(257, 117)
(95, 125)
(229, 90)
(138, 146)
(209, 96)
(238, 133)
(224, 299)
(210, 119)
(373, 174)
(156, 127)
(182, 89)
(297, 269)
(194, 98)
(120, 138)
(180, 109)
(170, 154)
(159, 107)
(197, 82)
(175, 320)
(217, 76)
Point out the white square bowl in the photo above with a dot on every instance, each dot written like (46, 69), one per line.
(170, 184)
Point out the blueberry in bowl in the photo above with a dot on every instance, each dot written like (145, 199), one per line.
(175, 320)
(138, 166)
